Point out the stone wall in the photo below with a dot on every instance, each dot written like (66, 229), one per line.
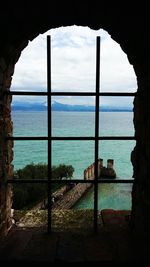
(6, 151)
(141, 156)
(72, 196)
(65, 197)
(7, 65)
(20, 23)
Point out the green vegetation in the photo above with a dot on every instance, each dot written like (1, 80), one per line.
(66, 171)
(27, 195)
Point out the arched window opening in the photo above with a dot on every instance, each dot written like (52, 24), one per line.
(73, 70)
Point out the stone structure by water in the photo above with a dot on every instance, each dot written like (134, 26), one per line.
(103, 172)
(67, 196)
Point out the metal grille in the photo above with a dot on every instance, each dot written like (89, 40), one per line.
(49, 138)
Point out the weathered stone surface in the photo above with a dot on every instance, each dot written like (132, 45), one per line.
(6, 111)
(9, 170)
(103, 172)
(72, 196)
(3, 64)
(129, 29)
(107, 173)
(1, 78)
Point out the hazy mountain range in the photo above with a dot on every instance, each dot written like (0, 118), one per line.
(56, 106)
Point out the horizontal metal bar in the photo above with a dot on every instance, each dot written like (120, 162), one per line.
(52, 93)
(92, 94)
(73, 93)
(26, 138)
(46, 181)
(73, 181)
(101, 180)
(13, 181)
(71, 138)
(114, 181)
(116, 138)
(117, 94)
(30, 93)
(25, 181)
(69, 93)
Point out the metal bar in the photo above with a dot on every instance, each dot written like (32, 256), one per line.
(30, 93)
(115, 181)
(16, 181)
(117, 138)
(117, 94)
(71, 138)
(101, 181)
(49, 191)
(26, 138)
(96, 132)
(25, 181)
(73, 93)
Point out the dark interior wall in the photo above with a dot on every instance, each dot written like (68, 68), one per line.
(20, 23)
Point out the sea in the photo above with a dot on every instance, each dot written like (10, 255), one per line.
(80, 154)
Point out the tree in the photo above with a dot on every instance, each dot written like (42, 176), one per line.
(29, 194)
(62, 171)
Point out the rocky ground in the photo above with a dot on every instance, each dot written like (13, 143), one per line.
(61, 219)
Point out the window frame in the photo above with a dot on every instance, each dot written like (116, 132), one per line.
(49, 138)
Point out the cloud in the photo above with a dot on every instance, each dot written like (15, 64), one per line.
(73, 59)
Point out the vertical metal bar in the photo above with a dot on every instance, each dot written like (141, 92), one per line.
(49, 191)
(96, 133)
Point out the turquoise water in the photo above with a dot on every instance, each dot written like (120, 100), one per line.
(80, 154)
(110, 196)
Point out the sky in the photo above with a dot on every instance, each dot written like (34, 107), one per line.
(73, 67)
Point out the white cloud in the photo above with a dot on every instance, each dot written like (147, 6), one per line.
(73, 64)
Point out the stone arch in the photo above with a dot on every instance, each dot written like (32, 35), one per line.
(19, 25)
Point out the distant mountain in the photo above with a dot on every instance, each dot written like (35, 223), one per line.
(56, 106)
(27, 106)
